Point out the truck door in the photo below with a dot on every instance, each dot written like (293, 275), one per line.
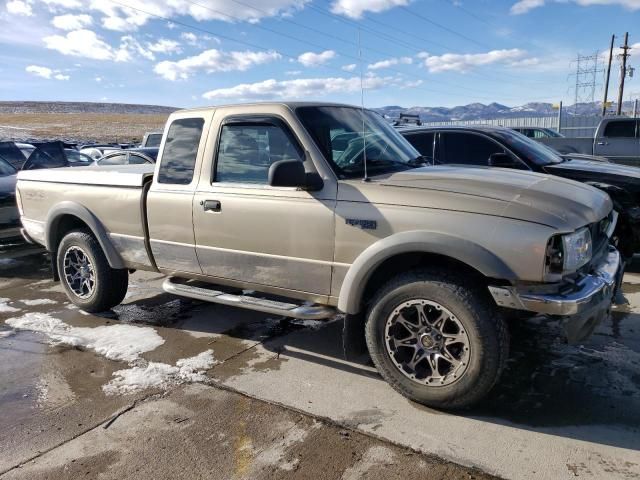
(251, 233)
(170, 198)
(619, 141)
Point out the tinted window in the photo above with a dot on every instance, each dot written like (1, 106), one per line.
(423, 142)
(468, 148)
(6, 169)
(180, 151)
(247, 151)
(119, 159)
(137, 159)
(153, 140)
(622, 128)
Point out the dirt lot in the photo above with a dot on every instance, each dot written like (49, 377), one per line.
(79, 127)
(162, 387)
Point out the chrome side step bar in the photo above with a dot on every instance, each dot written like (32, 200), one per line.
(306, 312)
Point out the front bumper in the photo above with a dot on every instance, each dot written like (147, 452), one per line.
(585, 303)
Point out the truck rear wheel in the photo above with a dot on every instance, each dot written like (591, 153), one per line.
(89, 281)
(436, 340)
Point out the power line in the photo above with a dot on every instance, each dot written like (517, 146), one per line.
(292, 57)
(443, 27)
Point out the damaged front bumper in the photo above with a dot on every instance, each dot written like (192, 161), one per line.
(583, 304)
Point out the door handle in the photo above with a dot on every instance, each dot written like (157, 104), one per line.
(211, 205)
(603, 143)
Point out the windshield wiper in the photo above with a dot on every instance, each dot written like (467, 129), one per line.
(420, 160)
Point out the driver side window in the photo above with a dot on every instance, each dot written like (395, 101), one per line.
(468, 148)
(246, 151)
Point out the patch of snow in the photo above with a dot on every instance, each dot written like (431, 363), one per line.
(115, 342)
(4, 308)
(160, 375)
(38, 301)
(7, 333)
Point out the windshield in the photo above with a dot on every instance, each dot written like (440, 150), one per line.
(338, 133)
(5, 168)
(531, 150)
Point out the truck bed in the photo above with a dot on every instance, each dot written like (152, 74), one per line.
(111, 194)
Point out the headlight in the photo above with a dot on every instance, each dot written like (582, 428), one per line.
(567, 253)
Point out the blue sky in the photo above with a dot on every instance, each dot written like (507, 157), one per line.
(414, 52)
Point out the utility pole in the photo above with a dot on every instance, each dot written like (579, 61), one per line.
(606, 82)
(623, 71)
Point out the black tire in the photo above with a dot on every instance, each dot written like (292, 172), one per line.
(486, 332)
(109, 286)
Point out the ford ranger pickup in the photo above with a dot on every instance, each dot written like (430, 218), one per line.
(325, 208)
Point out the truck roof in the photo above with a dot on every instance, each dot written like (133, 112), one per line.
(291, 105)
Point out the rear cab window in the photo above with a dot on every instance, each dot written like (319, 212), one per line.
(620, 129)
(180, 151)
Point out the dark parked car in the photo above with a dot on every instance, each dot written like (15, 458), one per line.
(131, 156)
(9, 216)
(481, 146)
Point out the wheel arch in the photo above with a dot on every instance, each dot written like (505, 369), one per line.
(403, 248)
(67, 216)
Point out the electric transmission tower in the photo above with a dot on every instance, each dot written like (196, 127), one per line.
(587, 69)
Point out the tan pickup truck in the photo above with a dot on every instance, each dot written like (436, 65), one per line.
(323, 208)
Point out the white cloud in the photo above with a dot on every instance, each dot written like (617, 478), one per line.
(165, 46)
(72, 22)
(80, 43)
(46, 72)
(297, 88)
(524, 6)
(465, 62)
(18, 7)
(98, 79)
(213, 61)
(349, 68)
(293, 72)
(312, 59)
(357, 8)
(55, 4)
(85, 43)
(390, 62)
(120, 18)
(190, 38)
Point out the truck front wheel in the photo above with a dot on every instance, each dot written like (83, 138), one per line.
(90, 283)
(436, 339)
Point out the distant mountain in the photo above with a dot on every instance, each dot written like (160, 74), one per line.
(480, 111)
(82, 107)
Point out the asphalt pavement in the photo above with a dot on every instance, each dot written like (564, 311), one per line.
(163, 387)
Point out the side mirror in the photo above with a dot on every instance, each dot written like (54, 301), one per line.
(503, 160)
(291, 173)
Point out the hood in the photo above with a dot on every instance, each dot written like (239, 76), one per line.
(597, 169)
(532, 197)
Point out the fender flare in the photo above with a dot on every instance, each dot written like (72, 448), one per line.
(82, 213)
(465, 251)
